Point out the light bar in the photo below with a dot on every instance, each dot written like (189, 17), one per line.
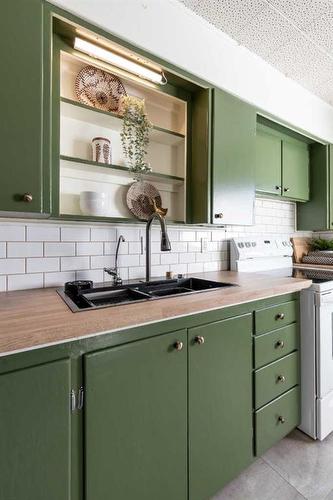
(121, 62)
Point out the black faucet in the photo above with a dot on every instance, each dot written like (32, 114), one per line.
(165, 242)
(113, 271)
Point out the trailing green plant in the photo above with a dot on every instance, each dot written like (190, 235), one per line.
(321, 244)
(135, 134)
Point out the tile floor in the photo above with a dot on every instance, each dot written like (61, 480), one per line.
(297, 468)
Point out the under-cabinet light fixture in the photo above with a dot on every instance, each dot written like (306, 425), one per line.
(121, 62)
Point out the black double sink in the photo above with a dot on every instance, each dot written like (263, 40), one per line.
(81, 296)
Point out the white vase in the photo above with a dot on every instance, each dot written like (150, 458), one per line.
(101, 147)
(94, 203)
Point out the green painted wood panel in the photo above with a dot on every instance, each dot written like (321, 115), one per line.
(274, 345)
(295, 170)
(275, 379)
(35, 433)
(268, 162)
(220, 404)
(21, 98)
(136, 421)
(276, 316)
(233, 160)
(269, 427)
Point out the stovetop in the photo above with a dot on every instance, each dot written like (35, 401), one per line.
(322, 279)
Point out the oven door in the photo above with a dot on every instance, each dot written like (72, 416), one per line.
(324, 343)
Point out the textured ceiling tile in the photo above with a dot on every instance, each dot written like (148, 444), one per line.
(267, 32)
(321, 31)
(303, 12)
(325, 91)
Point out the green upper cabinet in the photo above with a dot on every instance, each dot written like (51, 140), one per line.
(35, 433)
(268, 162)
(318, 213)
(295, 170)
(220, 404)
(282, 161)
(233, 160)
(21, 124)
(136, 420)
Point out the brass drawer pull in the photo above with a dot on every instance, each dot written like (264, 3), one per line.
(278, 188)
(178, 345)
(279, 344)
(281, 378)
(199, 340)
(218, 216)
(286, 190)
(27, 197)
(281, 419)
(279, 316)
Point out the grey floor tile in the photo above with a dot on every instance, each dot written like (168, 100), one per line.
(329, 496)
(306, 464)
(258, 482)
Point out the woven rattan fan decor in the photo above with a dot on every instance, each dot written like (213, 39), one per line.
(99, 89)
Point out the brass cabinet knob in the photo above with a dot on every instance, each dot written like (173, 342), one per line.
(178, 345)
(280, 344)
(218, 216)
(286, 190)
(199, 340)
(278, 188)
(281, 419)
(27, 197)
(280, 316)
(281, 378)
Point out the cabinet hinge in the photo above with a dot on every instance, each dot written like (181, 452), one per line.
(77, 399)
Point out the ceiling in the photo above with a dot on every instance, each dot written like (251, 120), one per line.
(294, 36)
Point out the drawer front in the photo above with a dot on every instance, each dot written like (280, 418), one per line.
(275, 379)
(275, 317)
(276, 420)
(275, 345)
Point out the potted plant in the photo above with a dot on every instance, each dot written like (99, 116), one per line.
(320, 245)
(135, 134)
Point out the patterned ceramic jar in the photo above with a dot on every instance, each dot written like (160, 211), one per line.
(101, 147)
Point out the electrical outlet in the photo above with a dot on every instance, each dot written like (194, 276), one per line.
(204, 242)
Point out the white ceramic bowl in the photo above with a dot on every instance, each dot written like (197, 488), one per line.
(94, 203)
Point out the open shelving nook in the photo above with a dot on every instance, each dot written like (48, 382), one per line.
(75, 124)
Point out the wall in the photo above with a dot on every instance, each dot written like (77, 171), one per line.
(169, 30)
(40, 254)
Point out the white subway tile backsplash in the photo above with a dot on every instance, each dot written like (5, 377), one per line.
(43, 264)
(9, 232)
(19, 249)
(47, 254)
(74, 263)
(43, 233)
(19, 281)
(103, 234)
(59, 249)
(12, 266)
(75, 233)
(91, 248)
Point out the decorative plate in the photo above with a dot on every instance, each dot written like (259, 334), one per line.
(99, 89)
(140, 196)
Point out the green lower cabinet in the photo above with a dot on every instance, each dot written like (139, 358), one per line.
(295, 170)
(274, 345)
(35, 433)
(136, 420)
(268, 162)
(220, 404)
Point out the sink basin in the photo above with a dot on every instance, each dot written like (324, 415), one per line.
(106, 296)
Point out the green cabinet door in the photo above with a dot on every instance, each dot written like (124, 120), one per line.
(220, 404)
(136, 420)
(268, 162)
(35, 433)
(21, 105)
(233, 160)
(295, 170)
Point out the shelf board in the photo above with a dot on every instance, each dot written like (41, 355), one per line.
(173, 179)
(108, 119)
(89, 218)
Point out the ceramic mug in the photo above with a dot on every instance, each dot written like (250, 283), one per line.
(101, 147)
(94, 203)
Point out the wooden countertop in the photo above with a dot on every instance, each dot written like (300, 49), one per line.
(36, 318)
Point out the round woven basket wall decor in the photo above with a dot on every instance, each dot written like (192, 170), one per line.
(99, 89)
(139, 198)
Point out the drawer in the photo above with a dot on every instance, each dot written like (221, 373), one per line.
(276, 316)
(275, 345)
(276, 420)
(276, 378)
